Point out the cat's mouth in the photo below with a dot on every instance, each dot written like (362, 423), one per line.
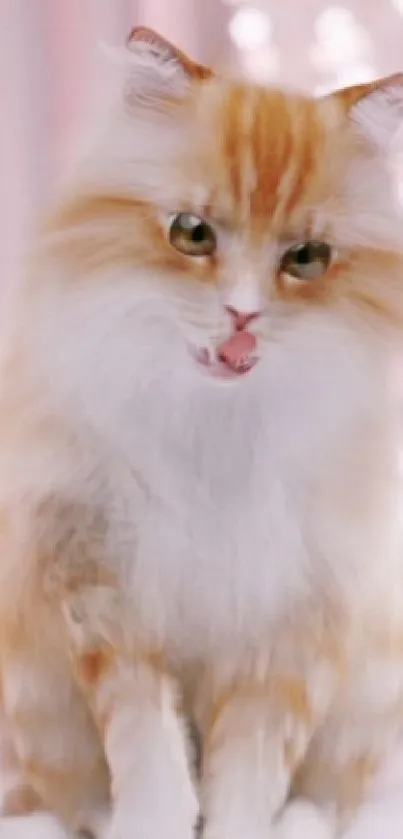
(233, 358)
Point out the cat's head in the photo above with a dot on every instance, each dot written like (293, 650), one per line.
(234, 214)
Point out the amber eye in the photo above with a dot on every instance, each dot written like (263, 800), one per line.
(306, 261)
(192, 235)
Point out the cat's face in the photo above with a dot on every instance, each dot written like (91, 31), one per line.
(244, 216)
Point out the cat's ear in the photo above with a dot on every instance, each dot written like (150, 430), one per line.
(157, 69)
(376, 108)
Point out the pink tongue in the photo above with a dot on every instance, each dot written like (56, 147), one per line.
(237, 352)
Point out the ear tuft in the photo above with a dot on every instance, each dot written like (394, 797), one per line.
(376, 108)
(147, 44)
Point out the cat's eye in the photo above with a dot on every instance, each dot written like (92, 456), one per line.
(192, 236)
(307, 260)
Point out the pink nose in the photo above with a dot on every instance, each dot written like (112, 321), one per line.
(241, 319)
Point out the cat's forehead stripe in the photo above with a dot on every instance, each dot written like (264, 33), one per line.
(269, 151)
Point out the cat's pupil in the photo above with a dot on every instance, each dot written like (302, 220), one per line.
(304, 255)
(199, 232)
(311, 251)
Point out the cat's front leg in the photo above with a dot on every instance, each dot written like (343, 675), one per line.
(302, 819)
(135, 704)
(145, 744)
(258, 736)
(17, 797)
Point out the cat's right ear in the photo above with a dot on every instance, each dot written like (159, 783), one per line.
(376, 109)
(158, 71)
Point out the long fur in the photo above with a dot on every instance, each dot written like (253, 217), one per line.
(180, 547)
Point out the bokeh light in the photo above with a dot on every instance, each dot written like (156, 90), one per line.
(339, 39)
(249, 28)
(261, 65)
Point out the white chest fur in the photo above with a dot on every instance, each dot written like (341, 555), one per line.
(236, 529)
(244, 498)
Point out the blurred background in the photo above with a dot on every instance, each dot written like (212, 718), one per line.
(49, 70)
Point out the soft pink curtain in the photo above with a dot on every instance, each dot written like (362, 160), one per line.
(47, 50)
(49, 58)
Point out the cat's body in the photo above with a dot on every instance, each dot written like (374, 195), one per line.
(175, 543)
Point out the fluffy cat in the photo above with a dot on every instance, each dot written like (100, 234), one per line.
(199, 488)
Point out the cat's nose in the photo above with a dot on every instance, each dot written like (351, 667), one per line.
(241, 319)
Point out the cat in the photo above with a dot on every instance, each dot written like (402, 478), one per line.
(199, 482)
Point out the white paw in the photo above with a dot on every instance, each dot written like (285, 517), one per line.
(136, 825)
(97, 824)
(38, 826)
(303, 820)
(381, 819)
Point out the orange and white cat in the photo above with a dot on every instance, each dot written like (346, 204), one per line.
(199, 488)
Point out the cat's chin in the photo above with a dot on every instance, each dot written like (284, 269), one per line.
(214, 368)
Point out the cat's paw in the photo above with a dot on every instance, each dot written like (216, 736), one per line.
(382, 819)
(303, 820)
(38, 826)
(151, 824)
(96, 824)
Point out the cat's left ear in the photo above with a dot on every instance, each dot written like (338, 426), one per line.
(159, 70)
(376, 108)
